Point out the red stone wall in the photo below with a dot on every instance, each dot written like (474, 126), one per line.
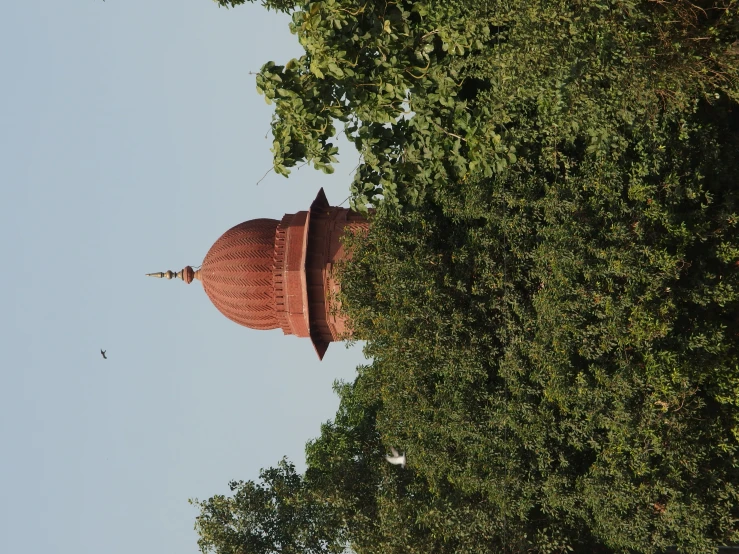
(307, 246)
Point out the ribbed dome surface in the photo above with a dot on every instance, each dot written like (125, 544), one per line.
(237, 274)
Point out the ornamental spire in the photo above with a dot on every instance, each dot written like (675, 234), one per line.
(187, 274)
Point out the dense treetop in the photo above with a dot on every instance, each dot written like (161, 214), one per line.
(550, 287)
(484, 80)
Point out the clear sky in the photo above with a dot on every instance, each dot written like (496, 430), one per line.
(131, 138)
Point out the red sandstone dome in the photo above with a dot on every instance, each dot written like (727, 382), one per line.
(266, 274)
(237, 274)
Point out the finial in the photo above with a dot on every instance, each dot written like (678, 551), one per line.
(187, 274)
(163, 274)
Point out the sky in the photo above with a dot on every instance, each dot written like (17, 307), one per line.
(131, 138)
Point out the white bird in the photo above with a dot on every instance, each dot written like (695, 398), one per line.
(396, 458)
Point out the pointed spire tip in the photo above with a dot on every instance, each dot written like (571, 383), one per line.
(187, 274)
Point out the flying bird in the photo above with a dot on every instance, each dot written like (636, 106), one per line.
(103, 353)
(396, 458)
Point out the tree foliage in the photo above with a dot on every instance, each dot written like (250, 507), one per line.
(559, 349)
(552, 316)
(432, 91)
(278, 515)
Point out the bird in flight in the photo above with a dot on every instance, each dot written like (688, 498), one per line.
(396, 458)
(103, 353)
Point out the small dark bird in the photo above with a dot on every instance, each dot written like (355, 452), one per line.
(103, 353)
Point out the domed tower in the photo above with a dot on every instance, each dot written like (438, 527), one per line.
(265, 274)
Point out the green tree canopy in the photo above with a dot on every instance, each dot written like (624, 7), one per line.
(278, 515)
(553, 315)
(431, 92)
(561, 351)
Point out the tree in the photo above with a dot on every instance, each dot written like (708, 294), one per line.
(558, 352)
(550, 286)
(431, 92)
(275, 516)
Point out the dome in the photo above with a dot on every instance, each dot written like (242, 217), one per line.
(269, 274)
(237, 274)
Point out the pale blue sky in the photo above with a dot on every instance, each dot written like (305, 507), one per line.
(131, 138)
